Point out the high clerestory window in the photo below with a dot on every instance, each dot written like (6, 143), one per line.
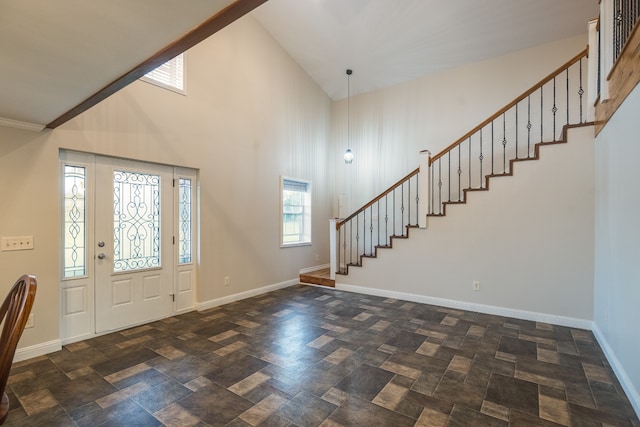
(170, 75)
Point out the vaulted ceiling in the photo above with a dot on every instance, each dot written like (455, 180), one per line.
(57, 54)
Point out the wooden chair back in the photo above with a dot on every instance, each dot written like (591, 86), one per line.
(14, 314)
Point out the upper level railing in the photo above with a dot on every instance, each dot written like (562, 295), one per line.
(625, 15)
(614, 40)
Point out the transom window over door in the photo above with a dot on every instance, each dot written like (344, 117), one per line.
(295, 212)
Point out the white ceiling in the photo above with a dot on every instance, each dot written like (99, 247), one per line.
(56, 54)
(387, 42)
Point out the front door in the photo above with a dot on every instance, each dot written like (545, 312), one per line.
(129, 233)
(133, 238)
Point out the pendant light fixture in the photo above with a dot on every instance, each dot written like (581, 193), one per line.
(348, 154)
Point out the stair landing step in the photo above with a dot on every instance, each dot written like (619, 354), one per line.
(319, 277)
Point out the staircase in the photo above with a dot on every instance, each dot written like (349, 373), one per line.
(539, 117)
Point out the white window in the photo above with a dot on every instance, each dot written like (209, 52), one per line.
(185, 221)
(170, 75)
(74, 223)
(296, 212)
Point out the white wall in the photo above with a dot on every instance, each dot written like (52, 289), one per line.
(528, 240)
(250, 115)
(389, 127)
(617, 255)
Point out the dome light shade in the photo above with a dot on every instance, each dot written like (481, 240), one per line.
(348, 156)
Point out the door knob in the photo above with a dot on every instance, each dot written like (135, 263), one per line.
(101, 255)
(101, 244)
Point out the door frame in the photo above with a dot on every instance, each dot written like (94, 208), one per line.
(77, 305)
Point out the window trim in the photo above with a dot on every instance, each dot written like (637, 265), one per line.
(308, 206)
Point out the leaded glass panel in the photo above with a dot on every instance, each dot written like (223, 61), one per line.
(74, 221)
(184, 225)
(136, 221)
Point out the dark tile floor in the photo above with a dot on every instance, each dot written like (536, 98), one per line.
(308, 356)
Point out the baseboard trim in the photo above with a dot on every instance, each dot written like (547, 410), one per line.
(37, 350)
(317, 267)
(481, 308)
(205, 305)
(632, 393)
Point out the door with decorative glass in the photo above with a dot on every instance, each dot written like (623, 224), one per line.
(134, 232)
(128, 237)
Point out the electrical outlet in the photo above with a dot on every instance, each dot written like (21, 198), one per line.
(226, 280)
(30, 321)
(476, 285)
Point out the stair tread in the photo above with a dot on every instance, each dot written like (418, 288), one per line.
(318, 277)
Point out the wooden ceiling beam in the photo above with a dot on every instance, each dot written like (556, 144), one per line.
(226, 16)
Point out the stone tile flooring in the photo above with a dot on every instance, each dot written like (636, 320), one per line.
(308, 356)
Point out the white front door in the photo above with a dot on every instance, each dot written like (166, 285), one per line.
(133, 238)
(128, 243)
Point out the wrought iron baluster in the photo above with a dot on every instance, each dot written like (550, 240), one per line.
(351, 241)
(440, 185)
(393, 210)
(567, 122)
(469, 163)
(402, 208)
(529, 126)
(338, 248)
(492, 142)
(358, 239)
(504, 143)
(409, 203)
(481, 157)
(371, 230)
(364, 232)
(387, 241)
(449, 174)
(417, 200)
(541, 114)
(516, 131)
(617, 17)
(581, 92)
(554, 110)
(459, 175)
(432, 209)
(378, 204)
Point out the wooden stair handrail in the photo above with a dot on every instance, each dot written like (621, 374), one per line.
(384, 193)
(507, 107)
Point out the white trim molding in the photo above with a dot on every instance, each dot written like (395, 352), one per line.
(632, 393)
(205, 305)
(37, 350)
(480, 308)
(21, 125)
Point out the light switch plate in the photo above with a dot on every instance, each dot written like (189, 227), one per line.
(19, 243)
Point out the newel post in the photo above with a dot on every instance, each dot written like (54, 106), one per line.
(423, 188)
(333, 247)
